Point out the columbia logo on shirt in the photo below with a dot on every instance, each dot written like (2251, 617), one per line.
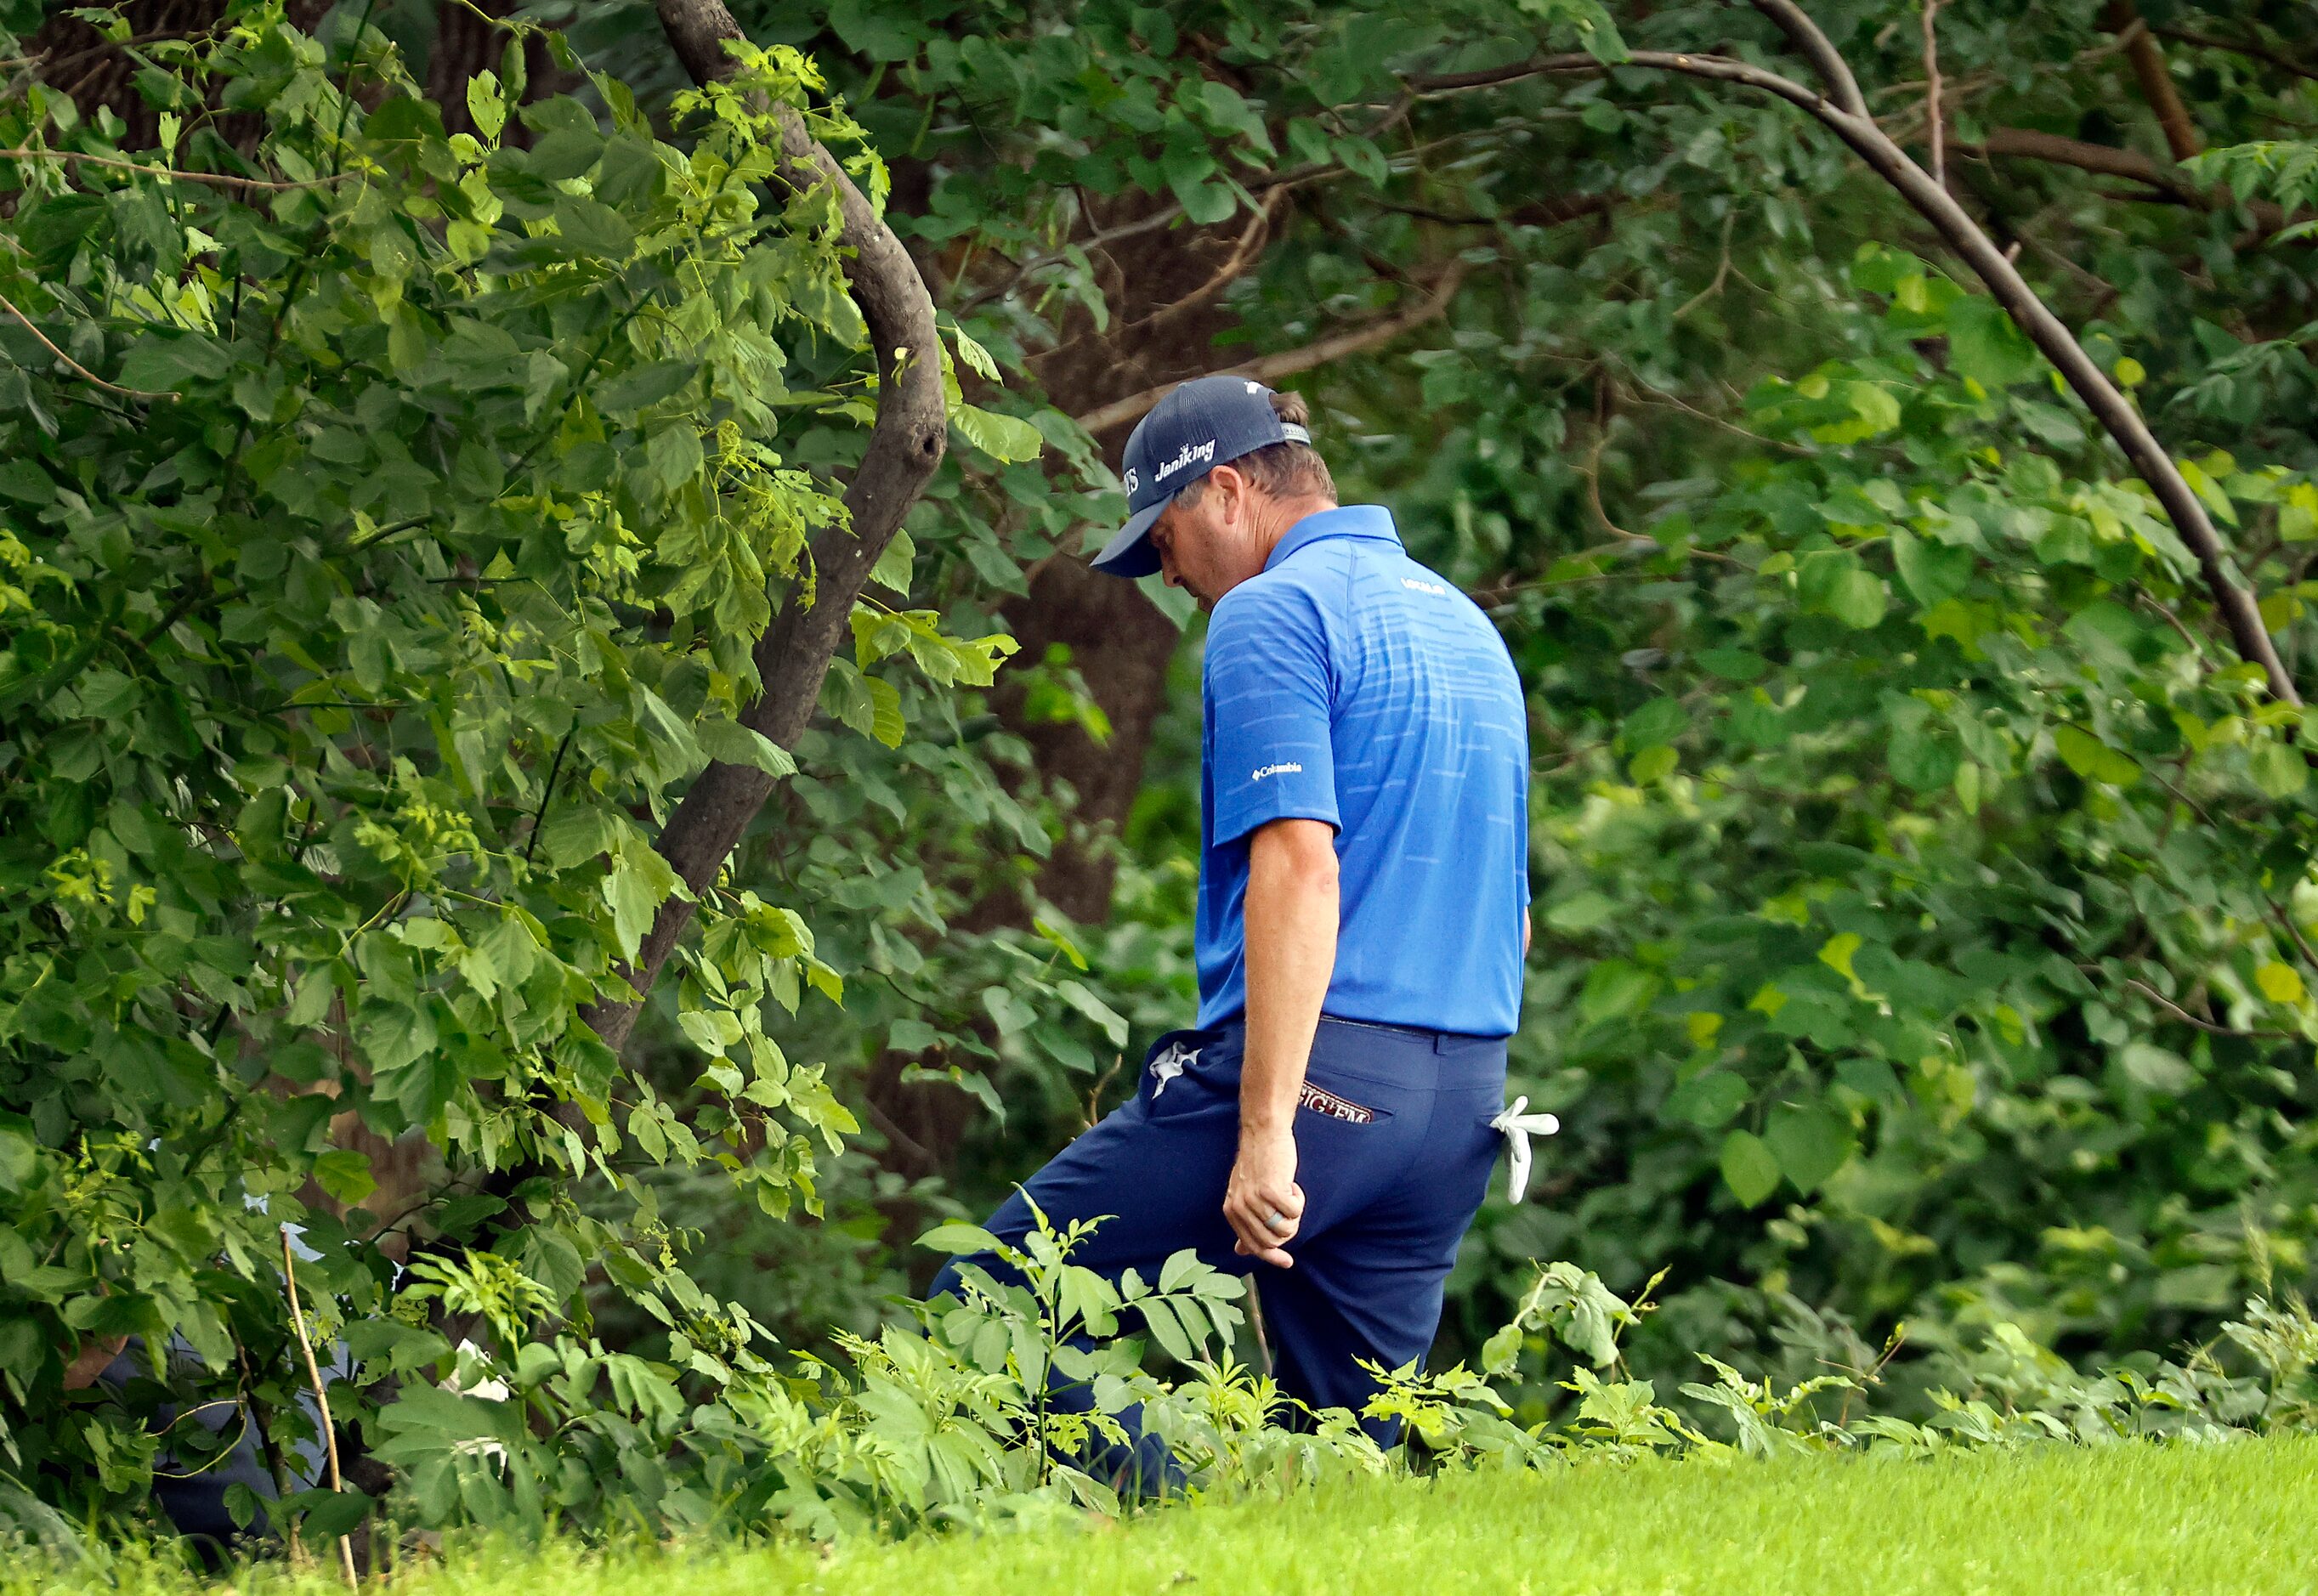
(1434, 588)
(1284, 770)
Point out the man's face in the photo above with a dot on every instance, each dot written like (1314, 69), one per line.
(1210, 547)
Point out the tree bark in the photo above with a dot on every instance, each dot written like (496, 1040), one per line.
(2156, 79)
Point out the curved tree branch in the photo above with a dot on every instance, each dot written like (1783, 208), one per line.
(1804, 34)
(2232, 597)
(906, 446)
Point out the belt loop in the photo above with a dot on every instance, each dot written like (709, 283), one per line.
(1440, 1041)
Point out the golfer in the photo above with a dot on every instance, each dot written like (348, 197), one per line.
(1333, 1118)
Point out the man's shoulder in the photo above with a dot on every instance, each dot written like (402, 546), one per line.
(1288, 590)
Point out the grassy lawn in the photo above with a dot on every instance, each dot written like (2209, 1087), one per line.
(2234, 1518)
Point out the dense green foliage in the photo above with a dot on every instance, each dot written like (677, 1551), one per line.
(1924, 890)
(388, 539)
(1890, 825)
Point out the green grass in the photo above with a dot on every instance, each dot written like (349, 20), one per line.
(2132, 1517)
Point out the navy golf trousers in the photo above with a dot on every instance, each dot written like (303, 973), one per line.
(1394, 1151)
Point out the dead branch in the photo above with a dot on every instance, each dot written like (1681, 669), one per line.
(1287, 362)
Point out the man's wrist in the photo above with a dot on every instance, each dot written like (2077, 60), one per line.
(1264, 1125)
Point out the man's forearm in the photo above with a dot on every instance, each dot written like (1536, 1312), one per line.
(1292, 953)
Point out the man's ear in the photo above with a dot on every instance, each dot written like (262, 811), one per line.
(1228, 482)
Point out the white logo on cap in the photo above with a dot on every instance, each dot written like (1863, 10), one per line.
(1256, 388)
(1130, 481)
(1190, 454)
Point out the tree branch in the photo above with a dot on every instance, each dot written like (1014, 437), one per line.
(2168, 181)
(1287, 362)
(905, 445)
(1804, 34)
(1934, 123)
(2232, 599)
(2156, 79)
(2246, 48)
(224, 179)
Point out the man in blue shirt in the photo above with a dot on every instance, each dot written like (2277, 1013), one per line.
(1362, 912)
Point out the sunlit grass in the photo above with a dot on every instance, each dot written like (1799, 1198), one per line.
(2129, 1518)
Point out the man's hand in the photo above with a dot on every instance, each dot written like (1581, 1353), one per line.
(1263, 1203)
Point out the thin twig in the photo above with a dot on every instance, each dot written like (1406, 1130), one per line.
(1641, 392)
(1721, 273)
(2242, 48)
(548, 796)
(322, 1398)
(136, 394)
(2179, 1013)
(1933, 122)
(220, 178)
(2286, 918)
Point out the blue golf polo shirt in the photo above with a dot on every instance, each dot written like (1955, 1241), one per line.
(1348, 684)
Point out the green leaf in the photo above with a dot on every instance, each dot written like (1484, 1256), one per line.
(19, 1151)
(346, 1175)
(1809, 1143)
(876, 32)
(1834, 582)
(2278, 770)
(165, 362)
(1502, 1351)
(1166, 1329)
(1113, 1024)
(885, 722)
(911, 1035)
(2281, 983)
(1660, 720)
(735, 744)
(1652, 764)
(1748, 1168)
(1002, 438)
(393, 1034)
(2092, 758)
(1007, 1011)
(1613, 988)
(634, 890)
(333, 1513)
(643, 385)
(1985, 345)
(1933, 573)
(1707, 1100)
(959, 1239)
(1857, 599)
(893, 566)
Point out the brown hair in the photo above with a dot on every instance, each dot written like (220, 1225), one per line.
(1283, 470)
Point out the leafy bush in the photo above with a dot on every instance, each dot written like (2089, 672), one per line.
(960, 1420)
(390, 517)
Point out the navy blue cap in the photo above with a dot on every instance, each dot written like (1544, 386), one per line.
(1200, 425)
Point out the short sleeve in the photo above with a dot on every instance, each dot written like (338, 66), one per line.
(1268, 691)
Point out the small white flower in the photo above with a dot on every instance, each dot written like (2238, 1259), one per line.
(492, 1389)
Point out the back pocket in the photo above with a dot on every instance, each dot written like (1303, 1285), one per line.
(1335, 1105)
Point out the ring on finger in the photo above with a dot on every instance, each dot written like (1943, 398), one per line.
(1275, 1220)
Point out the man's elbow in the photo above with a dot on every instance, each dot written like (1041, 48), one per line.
(1297, 854)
